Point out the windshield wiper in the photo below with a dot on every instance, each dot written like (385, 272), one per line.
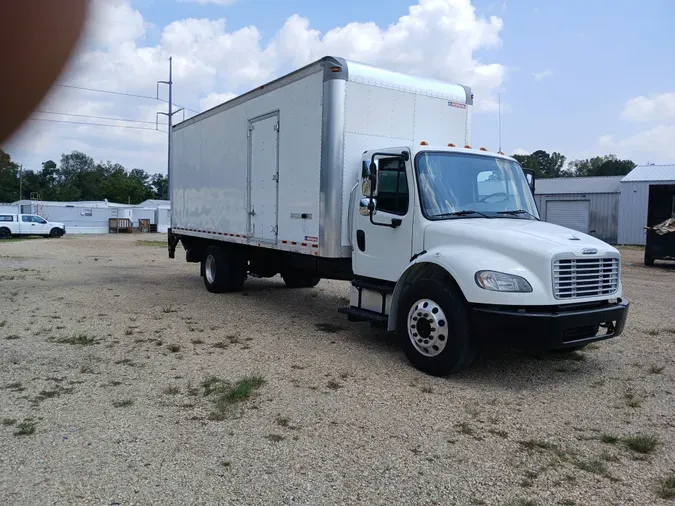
(516, 212)
(465, 212)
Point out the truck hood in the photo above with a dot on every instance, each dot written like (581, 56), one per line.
(518, 234)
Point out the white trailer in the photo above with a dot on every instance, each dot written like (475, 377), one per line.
(346, 171)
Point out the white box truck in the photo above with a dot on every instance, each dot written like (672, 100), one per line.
(346, 171)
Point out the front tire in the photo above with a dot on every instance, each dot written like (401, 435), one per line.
(56, 232)
(224, 269)
(433, 327)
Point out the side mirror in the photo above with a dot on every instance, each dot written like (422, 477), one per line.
(367, 206)
(369, 179)
(529, 175)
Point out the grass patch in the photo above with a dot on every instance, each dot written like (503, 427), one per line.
(25, 428)
(594, 466)
(87, 369)
(51, 394)
(333, 385)
(171, 390)
(641, 443)
(197, 341)
(609, 439)
(427, 389)
(536, 444)
(653, 332)
(225, 463)
(123, 403)
(169, 309)
(226, 395)
(234, 338)
(3, 323)
(151, 244)
(283, 421)
(81, 339)
(129, 332)
(666, 488)
(328, 328)
(15, 387)
(174, 348)
(632, 400)
(521, 502)
(221, 345)
(8, 422)
(12, 337)
(656, 369)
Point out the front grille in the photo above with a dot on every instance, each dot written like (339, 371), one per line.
(585, 277)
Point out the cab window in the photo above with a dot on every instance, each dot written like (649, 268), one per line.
(392, 190)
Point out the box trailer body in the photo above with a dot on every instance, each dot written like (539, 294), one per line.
(342, 170)
(275, 167)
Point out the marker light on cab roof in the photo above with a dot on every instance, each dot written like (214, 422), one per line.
(467, 146)
(451, 145)
(424, 143)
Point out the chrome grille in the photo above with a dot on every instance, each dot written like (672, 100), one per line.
(585, 277)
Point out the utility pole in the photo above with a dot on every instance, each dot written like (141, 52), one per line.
(169, 116)
(20, 182)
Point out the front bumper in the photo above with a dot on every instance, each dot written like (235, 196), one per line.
(549, 328)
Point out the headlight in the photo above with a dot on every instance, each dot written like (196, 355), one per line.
(501, 282)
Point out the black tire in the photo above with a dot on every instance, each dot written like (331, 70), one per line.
(300, 279)
(459, 349)
(5, 233)
(55, 232)
(649, 260)
(224, 269)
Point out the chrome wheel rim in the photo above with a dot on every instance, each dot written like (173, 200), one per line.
(210, 269)
(427, 327)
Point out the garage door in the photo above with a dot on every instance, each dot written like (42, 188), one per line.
(569, 213)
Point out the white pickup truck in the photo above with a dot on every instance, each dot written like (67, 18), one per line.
(29, 224)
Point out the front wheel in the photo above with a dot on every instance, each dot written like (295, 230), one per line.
(56, 232)
(433, 327)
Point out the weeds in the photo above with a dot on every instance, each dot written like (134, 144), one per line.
(641, 443)
(8, 422)
(283, 421)
(174, 348)
(275, 438)
(333, 385)
(227, 395)
(427, 389)
(12, 337)
(666, 489)
(86, 369)
(498, 432)
(632, 400)
(123, 403)
(3, 323)
(25, 428)
(221, 345)
(197, 341)
(609, 439)
(81, 339)
(171, 390)
(653, 332)
(169, 309)
(594, 466)
(225, 463)
(656, 369)
(465, 428)
(129, 332)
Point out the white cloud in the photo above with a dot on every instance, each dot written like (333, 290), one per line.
(213, 63)
(538, 76)
(521, 151)
(206, 2)
(654, 108)
(214, 99)
(656, 145)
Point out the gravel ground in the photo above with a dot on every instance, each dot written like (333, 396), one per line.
(105, 344)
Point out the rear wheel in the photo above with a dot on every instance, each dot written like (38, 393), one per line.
(56, 232)
(649, 260)
(300, 279)
(433, 328)
(5, 233)
(224, 269)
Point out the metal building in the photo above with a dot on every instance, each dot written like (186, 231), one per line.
(587, 204)
(634, 206)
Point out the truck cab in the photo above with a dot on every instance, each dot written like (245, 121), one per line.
(29, 224)
(449, 251)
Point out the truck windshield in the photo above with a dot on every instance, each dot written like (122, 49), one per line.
(464, 185)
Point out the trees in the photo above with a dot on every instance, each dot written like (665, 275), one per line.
(553, 165)
(79, 177)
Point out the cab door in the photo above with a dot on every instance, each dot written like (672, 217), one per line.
(382, 236)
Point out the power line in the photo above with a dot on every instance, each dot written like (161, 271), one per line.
(95, 124)
(94, 117)
(123, 94)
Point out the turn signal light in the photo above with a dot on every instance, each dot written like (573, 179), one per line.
(500, 152)
(451, 145)
(335, 69)
(424, 143)
(467, 146)
(483, 149)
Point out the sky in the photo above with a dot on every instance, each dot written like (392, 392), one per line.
(580, 77)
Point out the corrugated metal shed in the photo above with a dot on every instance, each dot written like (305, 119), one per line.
(634, 202)
(651, 173)
(567, 185)
(586, 204)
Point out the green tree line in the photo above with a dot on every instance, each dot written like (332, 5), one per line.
(78, 177)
